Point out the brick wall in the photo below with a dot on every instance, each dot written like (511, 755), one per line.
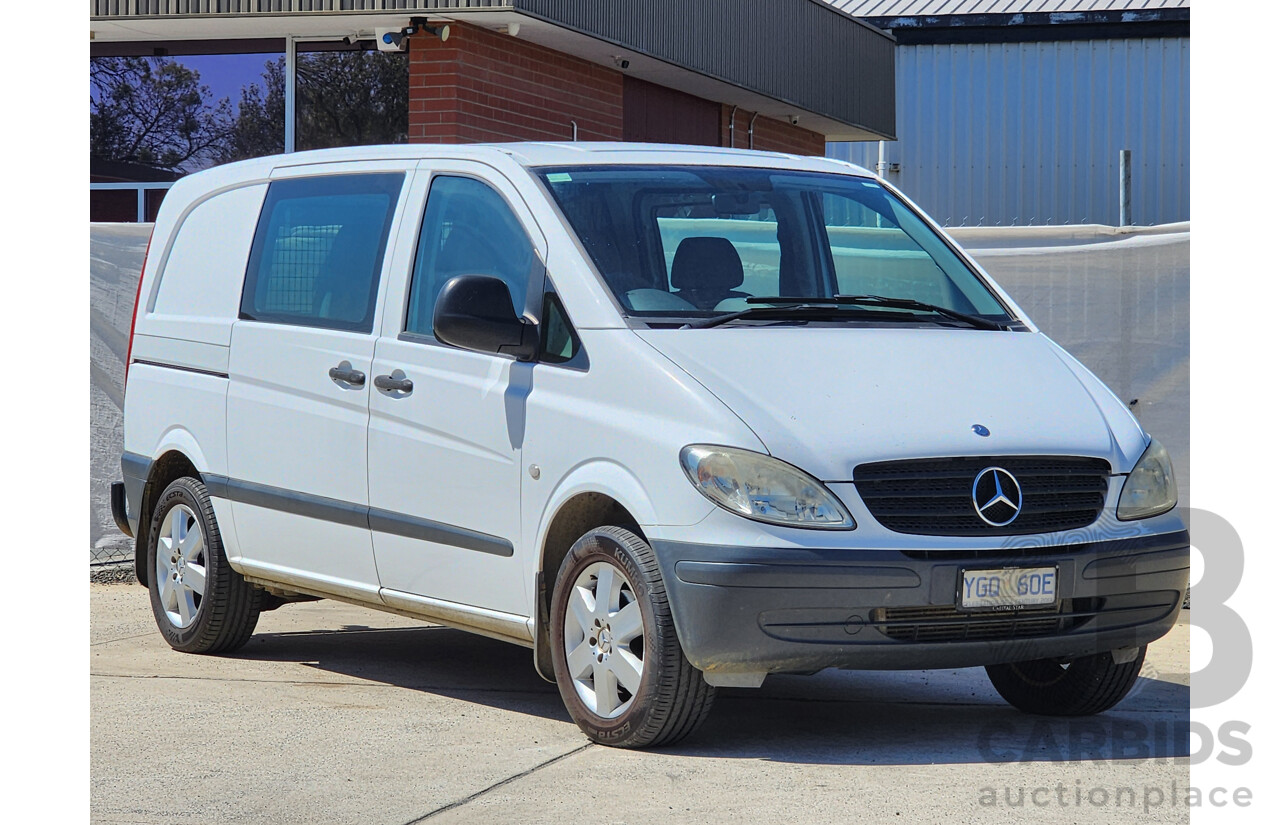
(770, 135)
(485, 86)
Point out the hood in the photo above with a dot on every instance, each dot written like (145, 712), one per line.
(828, 399)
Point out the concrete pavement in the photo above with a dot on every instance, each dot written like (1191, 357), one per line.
(334, 713)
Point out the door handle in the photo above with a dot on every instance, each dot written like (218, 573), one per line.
(345, 374)
(388, 383)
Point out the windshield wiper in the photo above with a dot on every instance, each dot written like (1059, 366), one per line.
(796, 309)
(881, 301)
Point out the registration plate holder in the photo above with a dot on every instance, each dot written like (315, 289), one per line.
(1007, 588)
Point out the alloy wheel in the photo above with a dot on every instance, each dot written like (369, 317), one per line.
(181, 568)
(604, 640)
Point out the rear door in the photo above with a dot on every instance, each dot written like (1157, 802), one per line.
(301, 356)
(444, 451)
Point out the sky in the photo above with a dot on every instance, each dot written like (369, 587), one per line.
(227, 74)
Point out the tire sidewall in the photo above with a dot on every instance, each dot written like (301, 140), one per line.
(191, 493)
(1088, 685)
(597, 546)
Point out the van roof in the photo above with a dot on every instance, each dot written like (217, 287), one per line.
(188, 190)
(533, 154)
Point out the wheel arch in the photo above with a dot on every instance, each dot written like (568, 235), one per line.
(597, 495)
(171, 464)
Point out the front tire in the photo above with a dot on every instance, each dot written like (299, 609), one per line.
(620, 669)
(1080, 687)
(200, 604)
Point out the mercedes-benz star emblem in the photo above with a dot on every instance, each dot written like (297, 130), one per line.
(997, 497)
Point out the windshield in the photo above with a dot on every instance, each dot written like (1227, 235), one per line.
(687, 242)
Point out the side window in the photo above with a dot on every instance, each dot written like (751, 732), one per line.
(467, 229)
(559, 342)
(317, 253)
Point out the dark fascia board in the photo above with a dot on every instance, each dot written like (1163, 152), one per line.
(1114, 24)
(661, 31)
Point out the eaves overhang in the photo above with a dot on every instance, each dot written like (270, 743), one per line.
(1036, 27)
(799, 61)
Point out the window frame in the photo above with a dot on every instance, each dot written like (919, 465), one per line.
(1016, 322)
(532, 309)
(579, 360)
(250, 280)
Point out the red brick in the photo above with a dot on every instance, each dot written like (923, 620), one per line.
(485, 86)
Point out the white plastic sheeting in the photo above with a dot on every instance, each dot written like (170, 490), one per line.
(1117, 301)
(115, 261)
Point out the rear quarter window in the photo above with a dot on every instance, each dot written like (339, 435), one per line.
(318, 250)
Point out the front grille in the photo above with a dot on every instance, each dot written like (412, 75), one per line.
(934, 497)
(947, 624)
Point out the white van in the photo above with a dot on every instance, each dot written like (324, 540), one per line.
(672, 417)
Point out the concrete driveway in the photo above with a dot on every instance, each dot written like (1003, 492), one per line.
(334, 713)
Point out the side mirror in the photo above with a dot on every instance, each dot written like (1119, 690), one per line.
(474, 312)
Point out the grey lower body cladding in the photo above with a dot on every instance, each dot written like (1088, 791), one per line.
(763, 610)
(136, 469)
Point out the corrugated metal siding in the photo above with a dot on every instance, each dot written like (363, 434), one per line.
(160, 8)
(799, 52)
(1031, 133)
(914, 8)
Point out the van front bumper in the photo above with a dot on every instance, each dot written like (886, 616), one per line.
(741, 610)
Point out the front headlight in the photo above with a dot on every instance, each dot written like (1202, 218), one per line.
(1150, 489)
(763, 488)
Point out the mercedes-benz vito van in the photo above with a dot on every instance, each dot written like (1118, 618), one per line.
(672, 417)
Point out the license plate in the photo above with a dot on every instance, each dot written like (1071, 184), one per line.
(1008, 588)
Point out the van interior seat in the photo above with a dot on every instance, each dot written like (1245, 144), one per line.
(706, 271)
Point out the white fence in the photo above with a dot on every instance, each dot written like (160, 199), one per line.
(1117, 301)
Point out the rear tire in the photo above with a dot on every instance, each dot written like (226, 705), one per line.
(1080, 687)
(621, 671)
(200, 604)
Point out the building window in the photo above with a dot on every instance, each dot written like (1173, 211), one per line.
(351, 97)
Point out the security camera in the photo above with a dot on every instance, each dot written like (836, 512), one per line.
(621, 62)
(389, 40)
(795, 120)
